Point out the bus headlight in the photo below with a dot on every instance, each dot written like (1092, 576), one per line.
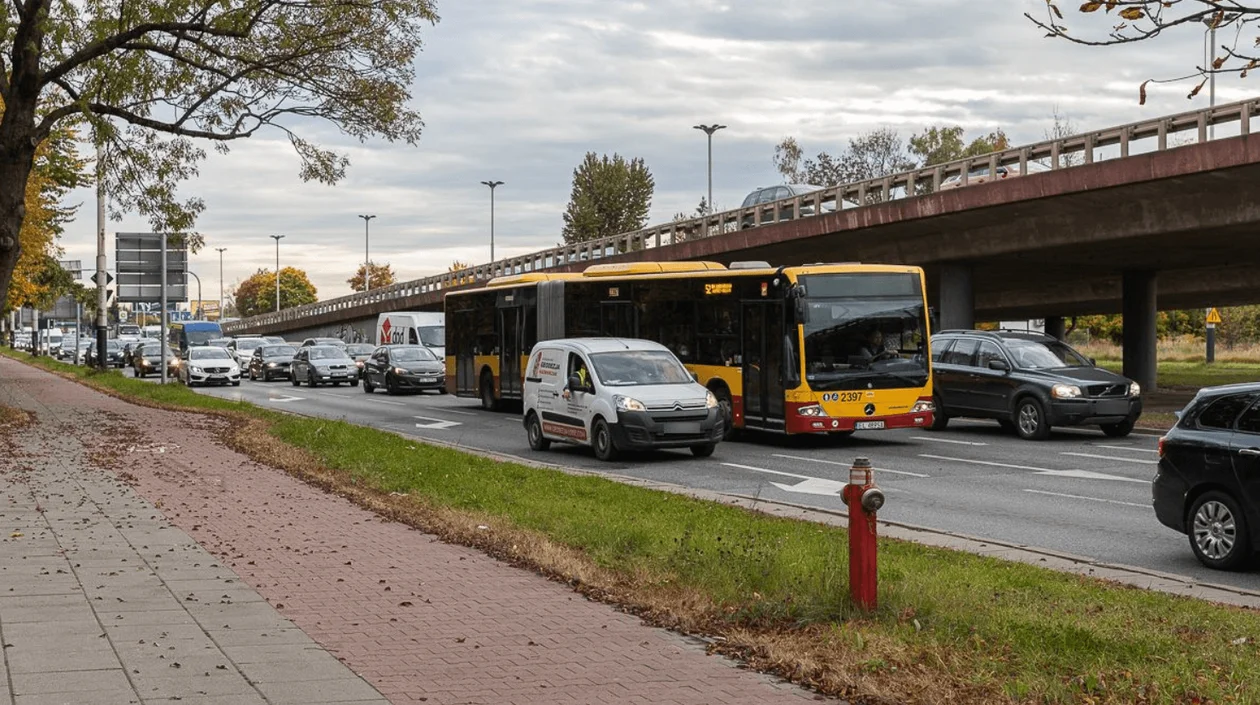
(923, 406)
(628, 404)
(1135, 389)
(811, 410)
(1065, 391)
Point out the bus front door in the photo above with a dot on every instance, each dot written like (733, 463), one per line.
(510, 353)
(763, 365)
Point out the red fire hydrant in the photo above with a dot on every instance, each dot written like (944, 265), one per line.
(864, 500)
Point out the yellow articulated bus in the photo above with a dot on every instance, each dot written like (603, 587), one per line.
(821, 348)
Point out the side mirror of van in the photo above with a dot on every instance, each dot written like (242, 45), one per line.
(695, 377)
(575, 383)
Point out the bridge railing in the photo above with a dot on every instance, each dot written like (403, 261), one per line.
(1051, 154)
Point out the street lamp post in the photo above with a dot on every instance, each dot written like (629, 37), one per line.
(220, 251)
(709, 130)
(492, 185)
(277, 238)
(367, 260)
(200, 310)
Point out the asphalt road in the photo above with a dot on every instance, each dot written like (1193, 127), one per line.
(1079, 492)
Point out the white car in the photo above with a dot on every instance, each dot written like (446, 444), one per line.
(617, 394)
(207, 364)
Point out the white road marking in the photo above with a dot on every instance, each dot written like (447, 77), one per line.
(391, 403)
(1108, 457)
(1132, 448)
(282, 400)
(811, 485)
(1091, 499)
(948, 440)
(1082, 474)
(846, 465)
(436, 424)
(461, 413)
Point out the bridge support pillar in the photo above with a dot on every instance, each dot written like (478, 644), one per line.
(957, 298)
(1056, 327)
(1138, 309)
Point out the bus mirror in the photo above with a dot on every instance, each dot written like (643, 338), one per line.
(791, 368)
(802, 311)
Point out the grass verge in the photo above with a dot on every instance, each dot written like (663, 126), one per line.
(1173, 374)
(952, 627)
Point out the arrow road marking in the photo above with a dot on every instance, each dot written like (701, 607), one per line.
(282, 400)
(1083, 474)
(1091, 499)
(436, 424)
(1108, 457)
(846, 465)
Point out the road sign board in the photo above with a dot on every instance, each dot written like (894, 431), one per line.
(1213, 316)
(73, 266)
(138, 258)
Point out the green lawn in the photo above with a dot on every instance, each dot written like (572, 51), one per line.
(976, 629)
(1197, 374)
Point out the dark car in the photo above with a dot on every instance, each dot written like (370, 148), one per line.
(323, 364)
(404, 367)
(360, 352)
(1028, 382)
(147, 359)
(113, 354)
(1207, 485)
(271, 361)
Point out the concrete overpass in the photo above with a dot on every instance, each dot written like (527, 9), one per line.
(1168, 228)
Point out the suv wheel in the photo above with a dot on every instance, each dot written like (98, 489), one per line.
(1119, 430)
(1030, 420)
(1218, 532)
(939, 418)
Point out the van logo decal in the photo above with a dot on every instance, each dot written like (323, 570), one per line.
(385, 330)
(678, 406)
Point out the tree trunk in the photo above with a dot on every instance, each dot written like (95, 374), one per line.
(15, 169)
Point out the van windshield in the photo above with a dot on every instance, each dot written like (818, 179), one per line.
(624, 369)
(433, 336)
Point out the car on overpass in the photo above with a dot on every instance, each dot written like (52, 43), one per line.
(1207, 483)
(765, 196)
(1028, 382)
(982, 174)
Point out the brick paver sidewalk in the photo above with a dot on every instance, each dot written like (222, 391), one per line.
(103, 601)
(421, 620)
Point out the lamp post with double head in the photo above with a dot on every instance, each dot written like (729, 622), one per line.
(709, 130)
(367, 259)
(493, 185)
(277, 238)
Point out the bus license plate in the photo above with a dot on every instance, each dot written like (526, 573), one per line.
(868, 425)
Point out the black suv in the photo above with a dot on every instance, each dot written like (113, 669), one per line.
(1028, 382)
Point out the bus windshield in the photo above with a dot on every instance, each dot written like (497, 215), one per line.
(864, 331)
(200, 337)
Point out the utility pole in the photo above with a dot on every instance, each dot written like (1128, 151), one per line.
(102, 316)
(277, 238)
(220, 251)
(709, 130)
(367, 259)
(493, 185)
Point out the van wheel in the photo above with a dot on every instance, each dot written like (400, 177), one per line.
(533, 429)
(727, 409)
(703, 450)
(488, 402)
(602, 441)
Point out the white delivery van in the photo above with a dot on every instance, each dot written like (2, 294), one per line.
(616, 394)
(413, 328)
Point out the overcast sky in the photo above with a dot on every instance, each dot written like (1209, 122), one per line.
(519, 90)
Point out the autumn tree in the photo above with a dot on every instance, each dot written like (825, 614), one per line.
(941, 144)
(150, 79)
(382, 275)
(611, 196)
(1130, 21)
(257, 294)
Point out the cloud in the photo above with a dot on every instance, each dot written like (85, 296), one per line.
(519, 91)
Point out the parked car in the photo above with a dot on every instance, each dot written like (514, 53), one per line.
(209, 364)
(270, 361)
(769, 194)
(404, 367)
(323, 364)
(146, 359)
(980, 175)
(360, 352)
(1207, 484)
(324, 341)
(617, 394)
(1029, 382)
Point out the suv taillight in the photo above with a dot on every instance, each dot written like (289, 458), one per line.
(1161, 445)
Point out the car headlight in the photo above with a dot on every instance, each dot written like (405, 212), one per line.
(195, 370)
(399, 371)
(358, 363)
(1135, 389)
(234, 370)
(810, 410)
(628, 404)
(710, 401)
(271, 364)
(1065, 391)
